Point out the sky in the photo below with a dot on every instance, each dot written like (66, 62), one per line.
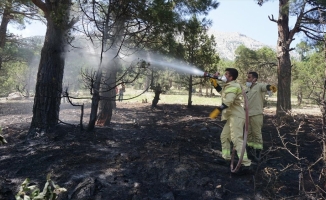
(248, 18)
(242, 16)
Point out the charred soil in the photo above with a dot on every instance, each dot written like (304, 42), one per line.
(171, 152)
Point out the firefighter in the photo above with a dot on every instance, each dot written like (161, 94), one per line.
(234, 115)
(256, 94)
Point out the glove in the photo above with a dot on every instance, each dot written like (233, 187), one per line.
(214, 113)
(213, 82)
(273, 88)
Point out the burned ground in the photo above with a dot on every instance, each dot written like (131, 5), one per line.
(165, 153)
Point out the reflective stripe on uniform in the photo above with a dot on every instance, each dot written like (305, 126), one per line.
(235, 90)
(250, 144)
(226, 153)
(255, 145)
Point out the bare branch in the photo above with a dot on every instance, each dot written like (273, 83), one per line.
(272, 19)
(73, 22)
(296, 27)
(312, 10)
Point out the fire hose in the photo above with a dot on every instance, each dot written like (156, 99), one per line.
(245, 134)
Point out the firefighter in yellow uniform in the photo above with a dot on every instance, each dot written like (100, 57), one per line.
(256, 94)
(234, 115)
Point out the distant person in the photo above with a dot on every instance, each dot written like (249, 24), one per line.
(157, 91)
(116, 90)
(234, 115)
(122, 89)
(65, 95)
(256, 94)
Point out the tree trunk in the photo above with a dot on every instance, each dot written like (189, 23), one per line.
(324, 121)
(108, 93)
(95, 99)
(50, 72)
(147, 82)
(170, 83)
(190, 92)
(323, 110)
(105, 115)
(3, 29)
(207, 91)
(4, 25)
(284, 61)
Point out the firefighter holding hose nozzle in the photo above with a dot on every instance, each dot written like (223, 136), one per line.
(256, 94)
(234, 115)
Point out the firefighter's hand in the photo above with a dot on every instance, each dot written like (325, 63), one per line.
(273, 88)
(214, 113)
(213, 82)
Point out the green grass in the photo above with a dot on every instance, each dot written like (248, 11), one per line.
(181, 97)
(173, 98)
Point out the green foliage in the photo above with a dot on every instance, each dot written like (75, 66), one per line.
(60, 13)
(20, 65)
(18, 10)
(32, 192)
(223, 64)
(208, 57)
(263, 61)
(199, 47)
(308, 76)
(12, 76)
(160, 27)
(303, 49)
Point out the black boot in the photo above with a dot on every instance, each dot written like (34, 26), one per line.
(250, 153)
(258, 155)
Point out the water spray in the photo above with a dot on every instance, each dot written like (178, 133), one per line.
(163, 62)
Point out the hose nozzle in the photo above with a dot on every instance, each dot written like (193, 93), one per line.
(216, 75)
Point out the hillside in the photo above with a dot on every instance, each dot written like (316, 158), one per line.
(227, 43)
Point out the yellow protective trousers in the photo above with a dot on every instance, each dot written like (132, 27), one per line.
(255, 138)
(233, 132)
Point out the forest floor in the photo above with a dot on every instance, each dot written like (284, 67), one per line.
(171, 152)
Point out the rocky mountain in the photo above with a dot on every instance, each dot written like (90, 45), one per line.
(227, 43)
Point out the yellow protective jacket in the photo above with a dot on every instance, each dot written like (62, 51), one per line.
(232, 97)
(255, 96)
